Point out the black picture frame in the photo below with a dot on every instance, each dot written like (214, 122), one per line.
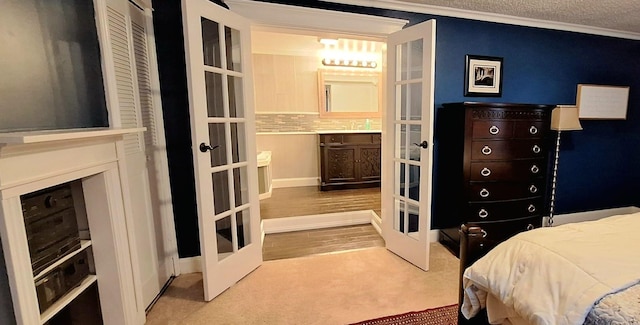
(483, 76)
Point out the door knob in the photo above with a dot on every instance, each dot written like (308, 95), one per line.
(423, 144)
(205, 147)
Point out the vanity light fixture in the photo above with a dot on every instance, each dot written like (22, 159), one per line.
(328, 41)
(349, 63)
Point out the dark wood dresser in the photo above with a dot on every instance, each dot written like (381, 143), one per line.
(491, 171)
(491, 177)
(349, 160)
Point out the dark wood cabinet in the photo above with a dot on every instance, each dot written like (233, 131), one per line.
(491, 170)
(349, 160)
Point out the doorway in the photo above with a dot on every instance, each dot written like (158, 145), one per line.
(287, 66)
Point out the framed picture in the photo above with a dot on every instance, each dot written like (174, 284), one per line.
(483, 76)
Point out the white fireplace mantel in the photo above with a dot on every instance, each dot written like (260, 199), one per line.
(30, 161)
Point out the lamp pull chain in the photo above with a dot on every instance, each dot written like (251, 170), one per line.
(554, 181)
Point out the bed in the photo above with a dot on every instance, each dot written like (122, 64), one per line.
(579, 273)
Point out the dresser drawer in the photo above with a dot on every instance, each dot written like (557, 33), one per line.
(530, 129)
(492, 129)
(519, 170)
(331, 138)
(495, 191)
(358, 138)
(350, 138)
(506, 149)
(491, 234)
(495, 211)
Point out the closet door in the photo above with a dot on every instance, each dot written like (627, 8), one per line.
(155, 235)
(133, 100)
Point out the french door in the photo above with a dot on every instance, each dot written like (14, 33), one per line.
(217, 46)
(408, 138)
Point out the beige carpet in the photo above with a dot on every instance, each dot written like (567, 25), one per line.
(337, 288)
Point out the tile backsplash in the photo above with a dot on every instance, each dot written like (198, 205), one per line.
(292, 122)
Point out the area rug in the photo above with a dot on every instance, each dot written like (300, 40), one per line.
(446, 315)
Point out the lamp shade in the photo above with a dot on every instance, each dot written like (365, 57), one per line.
(565, 118)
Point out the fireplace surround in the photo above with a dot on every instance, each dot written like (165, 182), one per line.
(93, 157)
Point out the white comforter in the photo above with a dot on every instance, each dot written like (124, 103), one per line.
(555, 275)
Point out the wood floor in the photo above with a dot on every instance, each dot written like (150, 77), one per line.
(308, 200)
(301, 201)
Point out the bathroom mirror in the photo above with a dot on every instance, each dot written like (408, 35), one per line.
(349, 94)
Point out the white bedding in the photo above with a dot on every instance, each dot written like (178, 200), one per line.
(554, 275)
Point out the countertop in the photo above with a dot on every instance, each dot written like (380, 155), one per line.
(347, 131)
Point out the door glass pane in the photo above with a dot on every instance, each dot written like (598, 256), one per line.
(232, 40)
(241, 186)
(243, 226)
(218, 140)
(215, 101)
(403, 146)
(414, 182)
(398, 216)
(409, 141)
(410, 60)
(224, 237)
(415, 138)
(402, 182)
(238, 147)
(408, 181)
(406, 219)
(236, 99)
(220, 181)
(413, 220)
(210, 43)
(411, 101)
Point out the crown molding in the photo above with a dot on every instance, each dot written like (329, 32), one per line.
(273, 16)
(486, 16)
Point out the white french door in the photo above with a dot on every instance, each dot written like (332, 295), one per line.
(407, 146)
(218, 49)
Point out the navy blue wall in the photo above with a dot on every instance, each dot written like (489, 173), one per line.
(597, 165)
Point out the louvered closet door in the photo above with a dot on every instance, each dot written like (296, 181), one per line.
(155, 255)
(130, 51)
(160, 228)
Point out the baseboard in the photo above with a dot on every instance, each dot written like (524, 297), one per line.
(190, 264)
(295, 182)
(590, 215)
(318, 221)
(433, 235)
(265, 195)
(376, 222)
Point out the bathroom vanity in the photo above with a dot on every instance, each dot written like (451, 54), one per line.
(349, 159)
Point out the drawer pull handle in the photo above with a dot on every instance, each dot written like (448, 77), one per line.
(533, 189)
(483, 213)
(533, 130)
(484, 233)
(531, 208)
(484, 192)
(485, 172)
(494, 130)
(535, 169)
(536, 148)
(486, 150)
(530, 227)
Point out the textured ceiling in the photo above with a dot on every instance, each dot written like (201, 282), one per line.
(620, 15)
